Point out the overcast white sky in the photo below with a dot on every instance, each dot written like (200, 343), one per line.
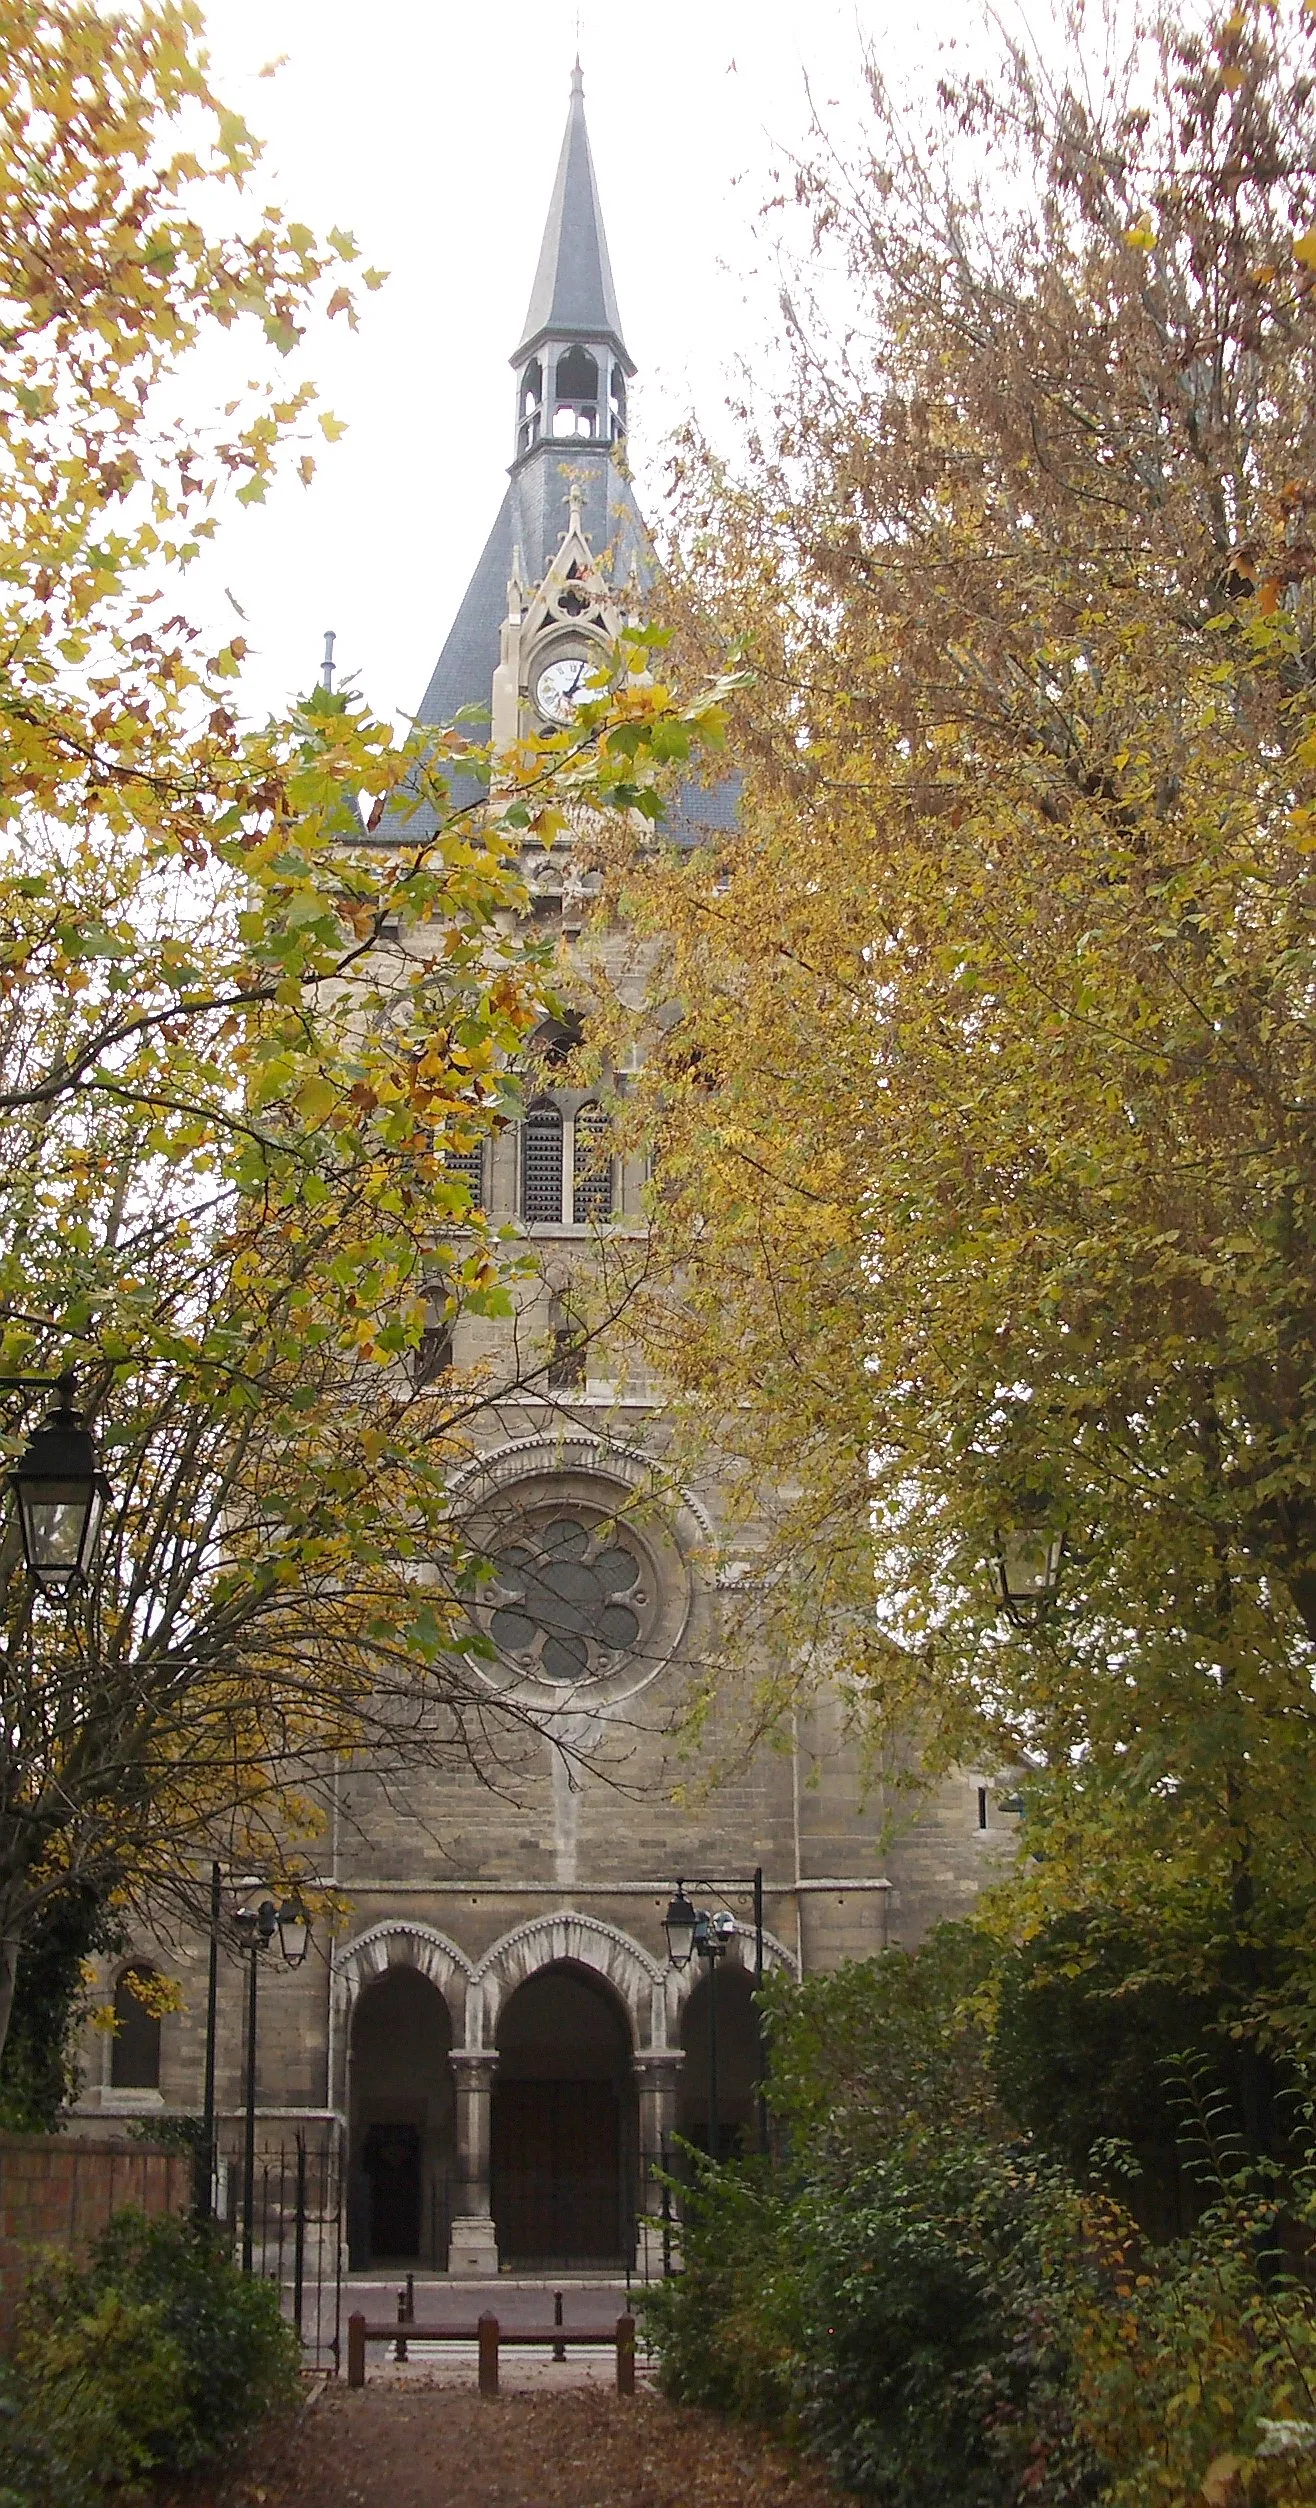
(432, 131)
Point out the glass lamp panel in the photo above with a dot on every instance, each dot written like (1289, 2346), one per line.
(60, 1523)
(294, 1932)
(1029, 1564)
(679, 1927)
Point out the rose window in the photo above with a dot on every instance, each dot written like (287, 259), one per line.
(569, 1600)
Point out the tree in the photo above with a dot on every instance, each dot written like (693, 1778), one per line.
(238, 1043)
(992, 1096)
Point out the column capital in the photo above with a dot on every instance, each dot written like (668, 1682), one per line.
(473, 2061)
(658, 2059)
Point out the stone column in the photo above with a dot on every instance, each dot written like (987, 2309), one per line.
(473, 2245)
(656, 2069)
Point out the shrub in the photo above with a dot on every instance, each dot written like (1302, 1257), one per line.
(152, 2357)
(728, 2326)
(945, 2315)
(910, 2324)
(1196, 2379)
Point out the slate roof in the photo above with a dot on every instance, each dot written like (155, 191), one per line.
(573, 292)
(531, 520)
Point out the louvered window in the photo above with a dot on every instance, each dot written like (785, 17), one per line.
(592, 1181)
(469, 1165)
(541, 1167)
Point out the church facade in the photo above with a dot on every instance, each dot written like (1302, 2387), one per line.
(496, 2040)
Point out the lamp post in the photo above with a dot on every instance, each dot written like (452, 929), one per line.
(59, 1489)
(206, 2190)
(707, 1934)
(256, 1928)
(1028, 1571)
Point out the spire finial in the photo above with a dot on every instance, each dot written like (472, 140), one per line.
(577, 74)
(327, 666)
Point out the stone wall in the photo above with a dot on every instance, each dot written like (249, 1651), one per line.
(57, 2193)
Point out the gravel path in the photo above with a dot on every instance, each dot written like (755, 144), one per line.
(390, 2447)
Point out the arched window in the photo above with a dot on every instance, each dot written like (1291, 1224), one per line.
(566, 1368)
(135, 2054)
(541, 1166)
(433, 1355)
(556, 1040)
(591, 1197)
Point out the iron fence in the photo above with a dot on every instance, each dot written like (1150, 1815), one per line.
(297, 2213)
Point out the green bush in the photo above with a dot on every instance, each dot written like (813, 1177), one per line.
(944, 2313)
(910, 2325)
(1196, 2372)
(152, 2357)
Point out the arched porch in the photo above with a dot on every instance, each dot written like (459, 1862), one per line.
(564, 2136)
(401, 2120)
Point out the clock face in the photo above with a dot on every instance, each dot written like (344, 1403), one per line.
(560, 688)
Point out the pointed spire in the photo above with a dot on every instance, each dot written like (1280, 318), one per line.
(573, 295)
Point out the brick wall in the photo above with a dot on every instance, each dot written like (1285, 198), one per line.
(56, 2193)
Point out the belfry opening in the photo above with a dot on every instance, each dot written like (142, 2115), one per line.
(564, 2138)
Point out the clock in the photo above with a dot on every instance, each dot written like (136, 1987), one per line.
(560, 688)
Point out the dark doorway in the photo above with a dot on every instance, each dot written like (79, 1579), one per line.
(390, 2163)
(402, 2124)
(563, 2144)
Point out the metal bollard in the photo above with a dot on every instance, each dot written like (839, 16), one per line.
(488, 2355)
(559, 2349)
(356, 2350)
(411, 2298)
(625, 2355)
(400, 2346)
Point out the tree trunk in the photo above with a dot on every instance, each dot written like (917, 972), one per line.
(11, 1943)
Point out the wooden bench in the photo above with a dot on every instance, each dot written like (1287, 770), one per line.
(490, 2337)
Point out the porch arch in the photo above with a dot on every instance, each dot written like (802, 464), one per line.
(575, 1941)
(400, 1942)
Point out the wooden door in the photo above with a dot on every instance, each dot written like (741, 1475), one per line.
(557, 2170)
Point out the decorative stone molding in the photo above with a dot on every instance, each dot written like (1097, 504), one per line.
(399, 1942)
(573, 1449)
(580, 1942)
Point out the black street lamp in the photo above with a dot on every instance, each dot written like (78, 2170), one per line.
(256, 1928)
(1028, 1570)
(60, 1490)
(679, 1926)
(701, 1933)
(294, 1931)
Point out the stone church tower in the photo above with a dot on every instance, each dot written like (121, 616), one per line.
(496, 2040)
